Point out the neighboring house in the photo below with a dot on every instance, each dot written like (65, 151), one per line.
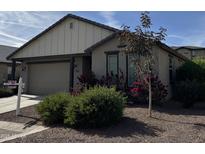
(54, 59)
(191, 52)
(6, 65)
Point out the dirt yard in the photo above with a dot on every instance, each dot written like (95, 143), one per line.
(166, 125)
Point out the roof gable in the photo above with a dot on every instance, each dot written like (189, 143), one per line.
(111, 29)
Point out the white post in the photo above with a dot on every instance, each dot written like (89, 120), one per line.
(19, 96)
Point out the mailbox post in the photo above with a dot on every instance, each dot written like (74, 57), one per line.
(20, 85)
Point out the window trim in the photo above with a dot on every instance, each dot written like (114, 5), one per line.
(108, 53)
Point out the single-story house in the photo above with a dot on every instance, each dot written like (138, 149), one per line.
(6, 65)
(53, 60)
(191, 52)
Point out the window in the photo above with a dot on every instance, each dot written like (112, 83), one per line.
(9, 69)
(112, 63)
(131, 70)
(171, 73)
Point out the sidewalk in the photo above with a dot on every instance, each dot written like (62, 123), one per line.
(9, 103)
(11, 130)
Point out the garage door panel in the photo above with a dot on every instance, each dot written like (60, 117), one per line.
(48, 78)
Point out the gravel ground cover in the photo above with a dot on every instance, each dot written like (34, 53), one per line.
(165, 125)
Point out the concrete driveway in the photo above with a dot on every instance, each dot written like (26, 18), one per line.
(9, 103)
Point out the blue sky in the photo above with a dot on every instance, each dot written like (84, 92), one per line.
(183, 28)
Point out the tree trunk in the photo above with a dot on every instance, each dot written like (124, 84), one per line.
(150, 98)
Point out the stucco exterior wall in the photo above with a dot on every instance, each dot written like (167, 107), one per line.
(164, 70)
(99, 58)
(161, 56)
(62, 39)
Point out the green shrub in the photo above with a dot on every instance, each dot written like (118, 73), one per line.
(96, 107)
(5, 92)
(52, 108)
(189, 92)
(191, 71)
(200, 62)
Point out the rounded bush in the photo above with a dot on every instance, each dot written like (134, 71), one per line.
(52, 108)
(96, 107)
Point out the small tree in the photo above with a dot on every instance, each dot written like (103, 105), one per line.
(139, 44)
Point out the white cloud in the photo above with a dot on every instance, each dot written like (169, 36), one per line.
(17, 27)
(196, 39)
(176, 36)
(11, 40)
(110, 19)
(20, 24)
(12, 37)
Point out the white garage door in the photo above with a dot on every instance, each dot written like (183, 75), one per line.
(48, 78)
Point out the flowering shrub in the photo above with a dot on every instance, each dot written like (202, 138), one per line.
(111, 79)
(88, 80)
(140, 90)
(77, 89)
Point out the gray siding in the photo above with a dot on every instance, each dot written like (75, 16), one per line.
(62, 40)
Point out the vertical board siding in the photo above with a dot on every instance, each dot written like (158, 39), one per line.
(89, 35)
(68, 38)
(82, 36)
(62, 39)
(75, 32)
(61, 47)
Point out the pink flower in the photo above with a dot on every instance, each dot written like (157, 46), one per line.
(135, 90)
